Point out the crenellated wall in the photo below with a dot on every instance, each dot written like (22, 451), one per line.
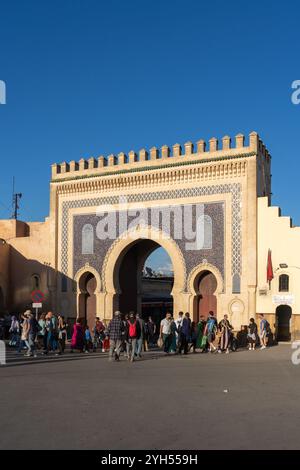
(155, 157)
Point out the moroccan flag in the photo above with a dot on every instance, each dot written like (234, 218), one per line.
(270, 274)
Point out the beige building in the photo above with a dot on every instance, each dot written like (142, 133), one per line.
(107, 215)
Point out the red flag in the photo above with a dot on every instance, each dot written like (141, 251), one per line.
(270, 274)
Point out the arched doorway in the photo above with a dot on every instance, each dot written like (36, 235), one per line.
(283, 321)
(138, 238)
(206, 286)
(157, 284)
(143, 285)
(87, 298)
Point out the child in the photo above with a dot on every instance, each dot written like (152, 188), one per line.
(88, 342)
(105, 343)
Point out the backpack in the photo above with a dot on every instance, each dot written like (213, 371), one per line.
(132, 330)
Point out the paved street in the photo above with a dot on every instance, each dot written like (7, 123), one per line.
(83, 402)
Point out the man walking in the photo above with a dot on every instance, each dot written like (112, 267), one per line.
(115, 329)
(151, 327)
(263, 331)
(132, 335)
(185, 334)
(178, 323)
(165, 332)
(211, 330)
(141, 339)
(33, 328)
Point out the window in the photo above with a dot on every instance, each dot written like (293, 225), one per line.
(284, 282)
(35, 282)
(236, 284)
(88, 240)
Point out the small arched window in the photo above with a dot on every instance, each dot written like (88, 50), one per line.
(284, 283)
(236, 284)
(88, 240)
(207, 233)
(35, 282)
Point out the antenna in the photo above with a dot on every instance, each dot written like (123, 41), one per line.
(15, 202)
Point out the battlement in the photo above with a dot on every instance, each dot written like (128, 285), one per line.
(163, 156)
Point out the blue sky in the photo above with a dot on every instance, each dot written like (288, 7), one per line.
(86, 78)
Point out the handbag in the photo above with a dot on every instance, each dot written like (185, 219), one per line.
(160, 342)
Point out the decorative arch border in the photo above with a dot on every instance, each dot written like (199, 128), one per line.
(205, 267)
(141, 232)
(87, 268)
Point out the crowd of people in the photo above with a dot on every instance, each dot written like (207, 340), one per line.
(129, 334)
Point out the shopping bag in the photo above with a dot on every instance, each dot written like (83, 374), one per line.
(203, 341)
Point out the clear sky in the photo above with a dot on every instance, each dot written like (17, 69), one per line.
(86, 78)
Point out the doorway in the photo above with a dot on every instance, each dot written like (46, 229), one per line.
(283, 321)
(87, 299)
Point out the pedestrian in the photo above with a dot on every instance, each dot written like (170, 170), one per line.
(141, 339)
(42, 334)
(105, 342)
(115, 330)
(165, 332)
(178, 328)
(62, 334)
(22, 344)
(49, 340)
(194, 336)
(151, 327)
(226, 333)
(173, 340)
(77, 341)
(201, 327)
(132, 335)
(31, 331)
(55, 332)
(14, 332)
(185, 334)
(98, 331)
(211, 330)
(88, 340)
(263, 331)
(252, 334)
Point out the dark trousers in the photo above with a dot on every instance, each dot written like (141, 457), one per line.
(62, 343)
(184, 345)
(167, 339)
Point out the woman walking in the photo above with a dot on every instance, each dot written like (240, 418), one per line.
(42, 334)
(225, 329)
(252, 334)
(62, 334)
(173, 345)
(14, 331)
(77, 341)
(201, 328)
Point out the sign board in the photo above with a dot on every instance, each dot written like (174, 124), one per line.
(283, 299)
(37, 305)
(37, 296)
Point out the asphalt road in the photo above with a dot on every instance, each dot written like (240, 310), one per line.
(85, 402)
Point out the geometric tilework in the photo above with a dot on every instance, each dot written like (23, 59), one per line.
(234, 189)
